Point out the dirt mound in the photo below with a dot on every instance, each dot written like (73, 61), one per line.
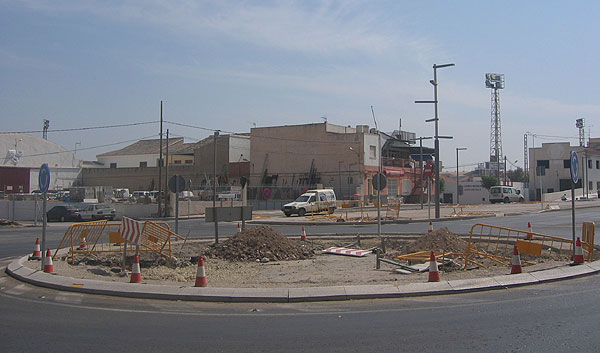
(259, 243)
(440, 240)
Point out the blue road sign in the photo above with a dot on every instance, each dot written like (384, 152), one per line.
(574, 167)
(44, 178)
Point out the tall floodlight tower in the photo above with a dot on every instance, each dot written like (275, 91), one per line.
(579, 123)
(495, 82)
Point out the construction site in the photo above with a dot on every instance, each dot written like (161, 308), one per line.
(263, 257)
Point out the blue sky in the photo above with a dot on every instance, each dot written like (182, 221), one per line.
(231, 64)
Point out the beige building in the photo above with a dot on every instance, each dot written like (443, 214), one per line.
(292, 158)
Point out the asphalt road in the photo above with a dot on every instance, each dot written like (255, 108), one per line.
(18, 241)
(553, 317)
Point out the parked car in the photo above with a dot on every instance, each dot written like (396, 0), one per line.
(64, 213)
(98, 211)
(312, 201)
(505, 194)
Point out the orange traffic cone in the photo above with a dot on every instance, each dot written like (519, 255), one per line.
(430, 227)
(136, 276)
(37, 254)
(516, 262)
(239, 228)
(200, 274)
(48, 266)
(578, 258)
(303, 235)
(529, 231)
(434, 274)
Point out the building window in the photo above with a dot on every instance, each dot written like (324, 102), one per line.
(189, 161)
(143, 164)
(597, 164)
(567, 163)
(372, 152)
(591, 185)
(589, 163)
(544, 163)
(177, 161)
(113, 165)
(350, 180)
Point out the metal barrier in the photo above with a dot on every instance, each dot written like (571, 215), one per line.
(105, 237)
(496, 244)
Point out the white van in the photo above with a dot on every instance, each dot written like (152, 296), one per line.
(312, 201)
(505, 194)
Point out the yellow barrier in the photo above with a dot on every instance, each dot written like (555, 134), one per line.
(496, 244)
(102, 236)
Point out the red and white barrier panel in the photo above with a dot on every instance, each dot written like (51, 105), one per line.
(349, 252)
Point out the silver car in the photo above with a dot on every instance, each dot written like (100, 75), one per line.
(505, 194)
(98, 211)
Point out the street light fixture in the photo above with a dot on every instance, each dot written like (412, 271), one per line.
(436, 136)
(457, 193)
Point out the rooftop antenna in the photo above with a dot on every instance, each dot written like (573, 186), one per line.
(580, 124)
(324, 117)
(45, 130)
(495, 82)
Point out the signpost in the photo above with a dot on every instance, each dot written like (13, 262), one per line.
(574, 180)
(176, 185)
(44, 184)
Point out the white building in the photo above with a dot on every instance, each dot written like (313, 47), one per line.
(550, 168)
(21, 157)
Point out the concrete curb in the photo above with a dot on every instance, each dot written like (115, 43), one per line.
(17, 270)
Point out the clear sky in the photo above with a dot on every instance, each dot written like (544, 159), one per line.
(231, 64)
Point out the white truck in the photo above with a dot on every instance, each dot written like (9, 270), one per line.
(312, 201)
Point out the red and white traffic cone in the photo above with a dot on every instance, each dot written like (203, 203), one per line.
(434, 274)
(430, 227)
(82, 244)
(516, 262)
(578, 258)
(37, 254)
(239, 229)
(136, 276)
(529, 231)
(303, 235)
(200, 274)
(48, 266)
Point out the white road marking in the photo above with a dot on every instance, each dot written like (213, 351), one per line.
(69, 298)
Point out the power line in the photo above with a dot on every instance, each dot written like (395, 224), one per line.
(81, 128)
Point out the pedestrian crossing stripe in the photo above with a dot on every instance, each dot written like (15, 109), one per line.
(347, 251)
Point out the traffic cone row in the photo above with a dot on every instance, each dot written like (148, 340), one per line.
(200, 274)
(37, 254)
(303, 235)
(434, 274)
(516, 262)
(48, 265)
(578, 258)
(430, 227)
(136, 276)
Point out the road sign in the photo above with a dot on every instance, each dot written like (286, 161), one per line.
(176, 183)
(266, 193)
(574, 167)
(379, 181)
(44, 178)
(428, 170)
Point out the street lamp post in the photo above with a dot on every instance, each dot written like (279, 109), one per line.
(436, 136)
(457, 193)
(421, 164)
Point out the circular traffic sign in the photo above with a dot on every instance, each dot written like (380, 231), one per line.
(379, 181)
(574, 167)
(44, 178)
(266, 193)
(176, 183)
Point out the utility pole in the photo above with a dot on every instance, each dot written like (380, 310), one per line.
(167, 174)
(457, 194)
(216, 134)
(160, 165)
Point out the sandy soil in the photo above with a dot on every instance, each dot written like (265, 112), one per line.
(319, 270)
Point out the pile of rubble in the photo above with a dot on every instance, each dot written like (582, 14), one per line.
(5, 222)
(441, 240)
(259, 244)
